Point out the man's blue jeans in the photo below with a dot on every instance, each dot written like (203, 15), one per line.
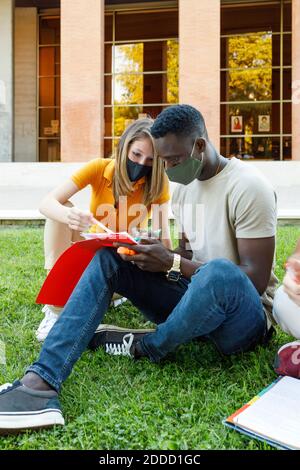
(219, 303)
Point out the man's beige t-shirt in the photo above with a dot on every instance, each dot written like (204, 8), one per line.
(236, 203)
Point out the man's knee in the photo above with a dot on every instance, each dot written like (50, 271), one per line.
(220, 269)
(218, 276)
(107, 256)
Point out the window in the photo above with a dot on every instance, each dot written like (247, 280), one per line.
(141, 67)
(256, 80)
(49, 88)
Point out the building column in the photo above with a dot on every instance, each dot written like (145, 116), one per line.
(82, 79)
(296, 79)
(6, 80)
(25, 135)
(199, 60)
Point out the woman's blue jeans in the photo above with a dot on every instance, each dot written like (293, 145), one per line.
(219, 303)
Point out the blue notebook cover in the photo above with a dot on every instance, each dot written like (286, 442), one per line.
(256, 436)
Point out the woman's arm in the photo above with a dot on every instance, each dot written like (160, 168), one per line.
(52, 206)
(291, 281)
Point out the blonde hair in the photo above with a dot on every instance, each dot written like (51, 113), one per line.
(122, 186)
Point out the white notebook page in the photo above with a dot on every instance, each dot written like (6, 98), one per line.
(276, 414)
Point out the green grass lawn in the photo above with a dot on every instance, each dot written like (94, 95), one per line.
(115, 403)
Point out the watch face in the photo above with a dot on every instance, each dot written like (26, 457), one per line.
(173, 276)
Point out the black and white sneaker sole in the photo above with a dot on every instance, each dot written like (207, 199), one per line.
(13, 423)
(112, 328)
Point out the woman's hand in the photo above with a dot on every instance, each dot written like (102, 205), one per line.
(79, 220)
(291, 281)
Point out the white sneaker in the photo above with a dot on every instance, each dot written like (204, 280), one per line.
(51, 316)
(118, 301)
(52, 313)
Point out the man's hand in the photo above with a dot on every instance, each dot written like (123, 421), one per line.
(151, 255)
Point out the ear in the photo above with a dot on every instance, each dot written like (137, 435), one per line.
(201, 145)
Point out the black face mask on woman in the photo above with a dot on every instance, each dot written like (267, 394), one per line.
(136, 171)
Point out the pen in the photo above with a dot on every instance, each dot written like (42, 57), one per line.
(102, 226)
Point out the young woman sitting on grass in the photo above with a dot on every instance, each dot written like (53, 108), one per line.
(286, 311)
(132, 183)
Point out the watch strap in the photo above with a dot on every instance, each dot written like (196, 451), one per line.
(174, 273)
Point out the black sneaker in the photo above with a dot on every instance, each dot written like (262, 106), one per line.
(119, 341)
(22, 408)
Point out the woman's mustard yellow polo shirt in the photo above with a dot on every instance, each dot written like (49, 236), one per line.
(99, 174)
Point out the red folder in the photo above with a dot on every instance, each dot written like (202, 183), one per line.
(69, 267)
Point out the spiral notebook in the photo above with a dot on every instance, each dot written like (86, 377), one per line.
(273, 415)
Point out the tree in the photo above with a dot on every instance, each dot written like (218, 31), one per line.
(250, 61)
(129, 84)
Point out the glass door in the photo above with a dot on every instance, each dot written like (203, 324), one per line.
(49, 88)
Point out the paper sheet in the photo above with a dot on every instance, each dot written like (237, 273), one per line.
(276, 414)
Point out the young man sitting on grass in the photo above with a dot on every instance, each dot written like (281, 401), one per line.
(217, 285)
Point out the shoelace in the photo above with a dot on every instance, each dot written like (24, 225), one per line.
(5, 387)
(117, 349)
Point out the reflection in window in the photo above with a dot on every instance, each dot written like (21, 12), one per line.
(129, 58)
(172, 72)
(256, 81)
(129, 84)
(253, 50)
(249, 147)
(49, 89)
(141, 75)
(250, 61)
(135, 87)
(252, 116)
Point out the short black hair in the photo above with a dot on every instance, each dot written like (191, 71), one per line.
(180, 119)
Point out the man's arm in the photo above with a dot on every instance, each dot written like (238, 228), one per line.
(256, 259)
(253, 207)
(183, 248)
(187, 267)
(154, 257)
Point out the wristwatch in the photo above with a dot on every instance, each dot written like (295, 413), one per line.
(174, 273)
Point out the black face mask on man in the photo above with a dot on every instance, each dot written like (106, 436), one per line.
(136, 171)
